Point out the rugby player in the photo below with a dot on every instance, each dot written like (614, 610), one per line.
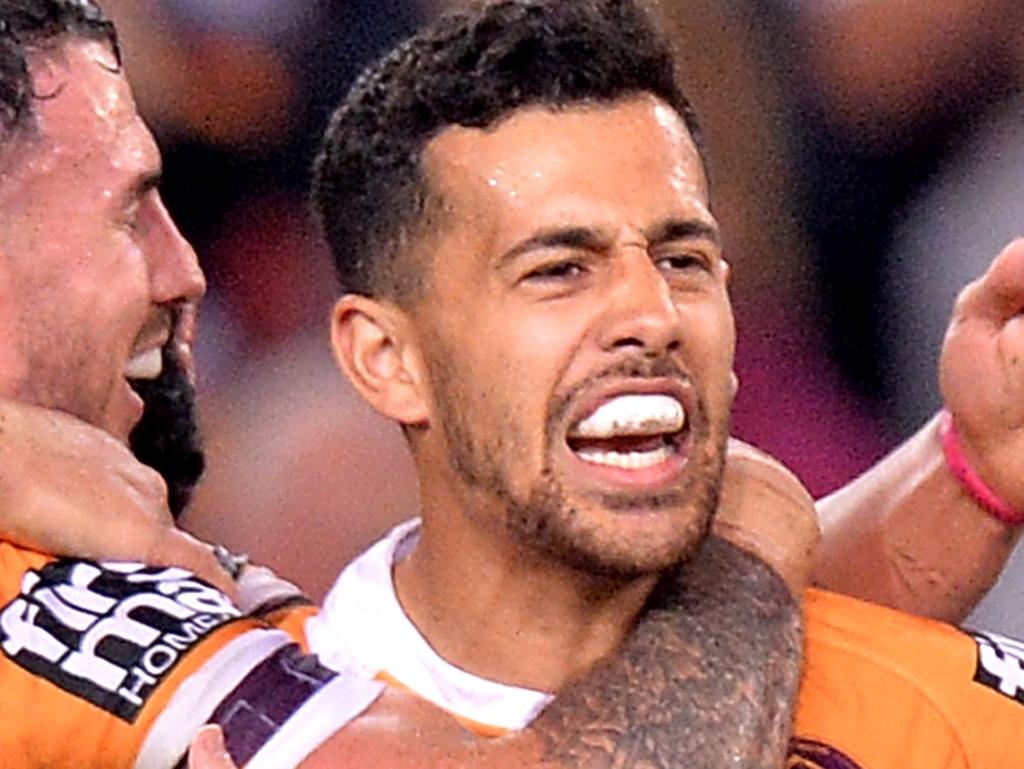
(535, 291)
(118, 664)
(708, 364)
(877, 543)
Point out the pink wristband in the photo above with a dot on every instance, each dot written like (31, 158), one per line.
(969, 478)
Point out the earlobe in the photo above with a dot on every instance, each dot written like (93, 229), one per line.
(370, 338)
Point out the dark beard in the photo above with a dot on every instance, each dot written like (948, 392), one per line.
(167, 437)
(545, 520)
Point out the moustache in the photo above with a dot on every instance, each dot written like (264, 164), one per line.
(645, 367)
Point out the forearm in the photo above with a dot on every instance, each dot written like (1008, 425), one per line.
(708, 679)
(907, 535)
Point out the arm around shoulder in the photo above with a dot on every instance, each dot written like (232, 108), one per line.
(908, 533)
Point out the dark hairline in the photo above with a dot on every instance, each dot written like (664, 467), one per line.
(430, 196)
(79, 21)
(24, 128)
(366, 248)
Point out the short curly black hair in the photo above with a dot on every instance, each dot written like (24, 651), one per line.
(469, 69)
(28, 25)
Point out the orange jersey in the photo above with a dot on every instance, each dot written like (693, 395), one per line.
(881, 689)
(117, 665)
(886, 690)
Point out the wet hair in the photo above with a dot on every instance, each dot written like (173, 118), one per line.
(468, 69)
(31, 25)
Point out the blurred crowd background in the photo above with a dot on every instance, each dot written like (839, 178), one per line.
(867, 159)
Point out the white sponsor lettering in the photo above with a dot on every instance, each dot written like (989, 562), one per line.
(137, 576)
(18, 623)
(132, 691)
(79, 593)
(192, 631)
(200, 598)
(1003, 660)
(107, 612)
(68, 615)
(158, 659)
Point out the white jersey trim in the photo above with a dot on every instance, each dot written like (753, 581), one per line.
(363, 630)
(199, 695)
(326, 712)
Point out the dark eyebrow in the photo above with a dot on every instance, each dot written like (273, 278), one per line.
(683, 229)
(555, 237)
(144, 185)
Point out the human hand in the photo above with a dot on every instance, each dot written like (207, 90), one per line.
(208, 751)
(765, 510)
(981, 373)
(70, 489)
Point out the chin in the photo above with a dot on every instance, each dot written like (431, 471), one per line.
(643, 550)
(620, 540)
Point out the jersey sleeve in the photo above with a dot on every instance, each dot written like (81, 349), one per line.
(117, 665)
(276, 601)
(882, 688)
(993, 716)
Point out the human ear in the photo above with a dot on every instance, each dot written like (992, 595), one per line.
(374, 347)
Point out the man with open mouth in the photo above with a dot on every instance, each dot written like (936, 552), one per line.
(535, 290)
(117, 664)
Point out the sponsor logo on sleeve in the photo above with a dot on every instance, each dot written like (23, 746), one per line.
(1000, 664)
(108, 633)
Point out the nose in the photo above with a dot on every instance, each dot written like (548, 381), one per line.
(640, 313)
(175, 274)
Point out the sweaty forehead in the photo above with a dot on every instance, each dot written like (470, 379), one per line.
(584, 150)
(85, 114)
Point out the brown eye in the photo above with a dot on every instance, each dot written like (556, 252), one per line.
(556, 271)
(682, 262)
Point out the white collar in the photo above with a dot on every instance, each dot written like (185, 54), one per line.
(363, 629)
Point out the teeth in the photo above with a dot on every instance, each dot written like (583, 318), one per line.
(146, 365)
(632, 460)
(633, 415)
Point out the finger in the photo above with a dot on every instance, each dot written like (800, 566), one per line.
(740, 453)
(133, 538)
(174, 547)
(208, 750)
(998, 294)
(746, 461)
(777, 523)
(148, 491)
(767, 511)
